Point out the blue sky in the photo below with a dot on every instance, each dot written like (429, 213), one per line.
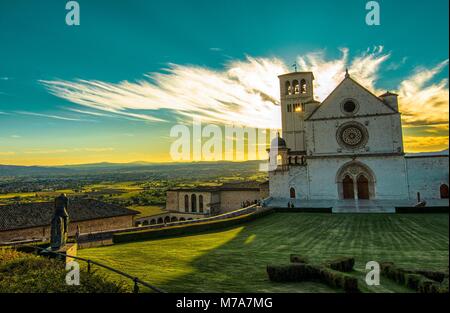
(124, 40)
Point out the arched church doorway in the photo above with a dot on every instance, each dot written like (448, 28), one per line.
(363, 187)
(444, 191)
(355, 180)
(348, 189)
(292, 193)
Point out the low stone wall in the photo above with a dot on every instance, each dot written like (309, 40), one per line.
(43, 233)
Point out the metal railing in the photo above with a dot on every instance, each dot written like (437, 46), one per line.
(89, 262)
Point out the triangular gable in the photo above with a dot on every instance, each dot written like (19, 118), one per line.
(368, 103)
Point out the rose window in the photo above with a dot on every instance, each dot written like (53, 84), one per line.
(352, 135)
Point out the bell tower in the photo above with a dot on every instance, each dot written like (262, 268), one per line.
(296, 95)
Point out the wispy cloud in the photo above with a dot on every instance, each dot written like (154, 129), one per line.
(57, 117)
(52, 151)
(61, 151)
(7, 153)
(432, 143)
(422, 102)
(246, 91)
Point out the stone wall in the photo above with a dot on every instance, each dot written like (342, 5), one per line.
(384, 135)
(172, 202)
(280, 183)
(426, 175)
(85, 227)
(207, 200)
(233, 199)
(318, 180)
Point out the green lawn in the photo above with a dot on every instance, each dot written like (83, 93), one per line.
(147, 210)
(235, 260)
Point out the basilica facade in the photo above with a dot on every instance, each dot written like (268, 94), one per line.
(348, 147)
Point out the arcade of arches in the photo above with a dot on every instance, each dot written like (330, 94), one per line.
(194, 204)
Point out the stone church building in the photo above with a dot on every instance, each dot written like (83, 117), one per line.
(347, 147)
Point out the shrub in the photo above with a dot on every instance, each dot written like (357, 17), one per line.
(433, 275)
(413, 281)
(443, 288)
(296, 258)
(298, 272)
(428, 286)
(26, 273)
(342, 264)
(389, 270)
(422, 281)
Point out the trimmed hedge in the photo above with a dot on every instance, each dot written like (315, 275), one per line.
(344, 264)
(299, 272)
(296, 258)
(184, 230)
(431, 209)
(420, 280)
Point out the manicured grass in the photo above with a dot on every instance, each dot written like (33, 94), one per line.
(235, 260)
(147, 210)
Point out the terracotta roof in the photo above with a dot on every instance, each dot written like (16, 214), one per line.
(26, 215)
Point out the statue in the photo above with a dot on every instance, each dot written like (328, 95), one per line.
(60, 223)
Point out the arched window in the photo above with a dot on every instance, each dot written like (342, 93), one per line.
(303, 86)
(167, 219)
(279, 160)
(186, 203)
(193, 203)
(288, 88)
(292, 193)
(145, 223)
(153, 222)
(444, 191)
(200, 203)
(182, 219)
(160, 220)
(173, 219)
(296, 87)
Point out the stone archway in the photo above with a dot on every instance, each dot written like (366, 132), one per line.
(355, 180)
